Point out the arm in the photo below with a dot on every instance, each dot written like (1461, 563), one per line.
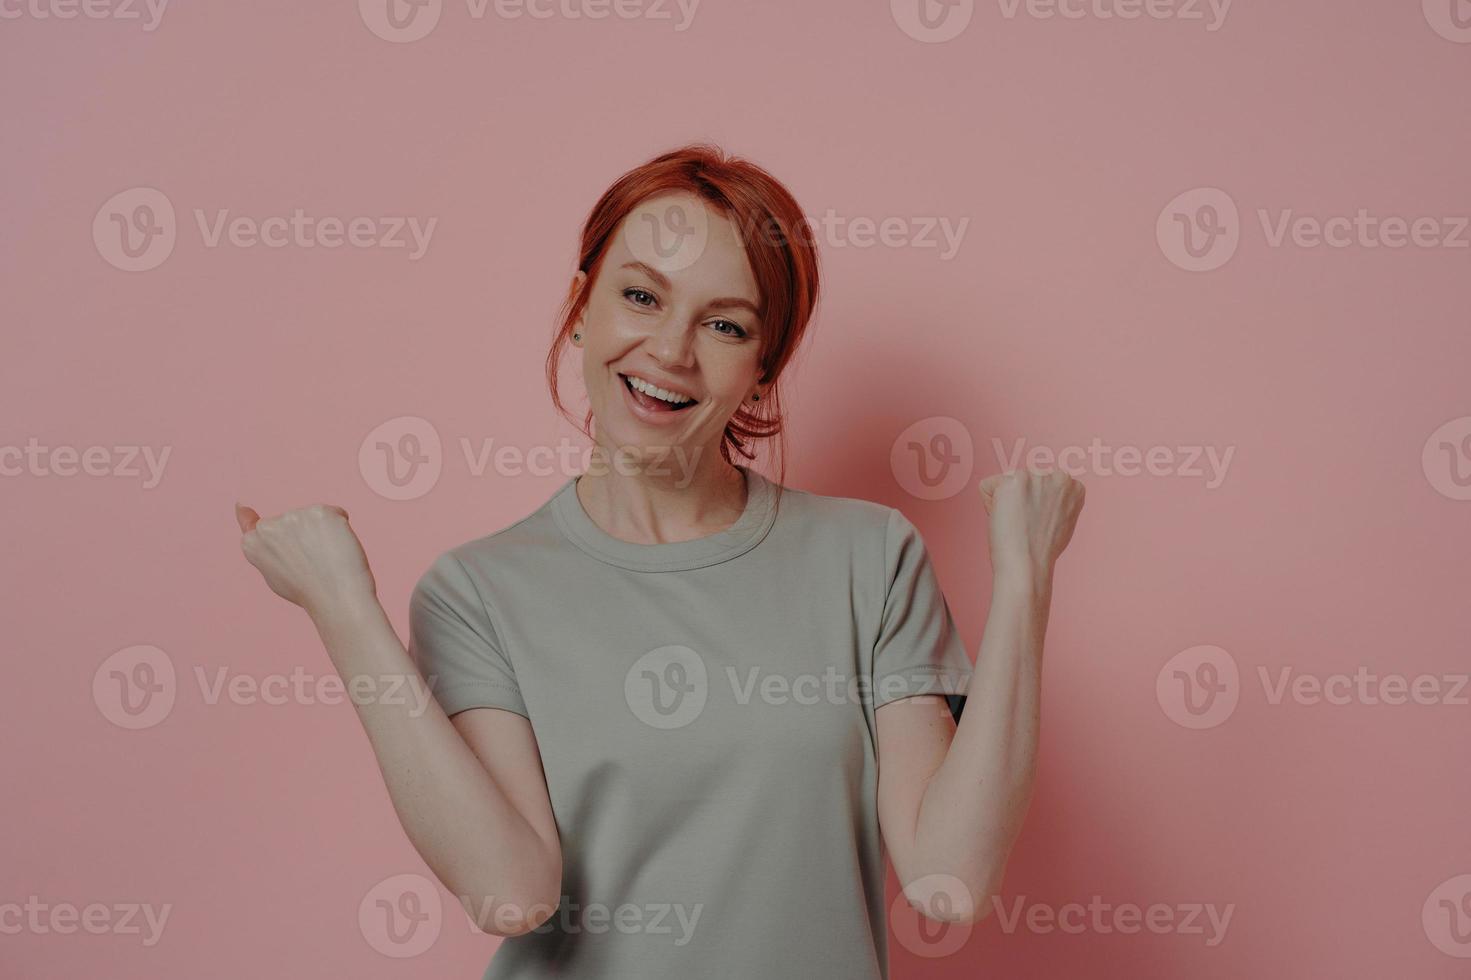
(470, 794)
(952, 800)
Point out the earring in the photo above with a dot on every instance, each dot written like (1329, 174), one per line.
(577, 336)
(755, 398)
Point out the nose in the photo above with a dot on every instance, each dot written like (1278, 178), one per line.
(671, 341)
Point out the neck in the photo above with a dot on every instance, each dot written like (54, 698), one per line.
(654, 500)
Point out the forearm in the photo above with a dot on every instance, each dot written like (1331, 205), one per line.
(462, 824)
(973, 806)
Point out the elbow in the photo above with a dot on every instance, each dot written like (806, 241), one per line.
(530, 918)
(952, 898)
(524, 908)
(509, 918)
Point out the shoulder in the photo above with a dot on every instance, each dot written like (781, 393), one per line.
(472, 561)
(876, 535)
(847, 512)
(884, 550)
(869, 527)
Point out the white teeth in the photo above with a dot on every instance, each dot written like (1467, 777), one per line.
(657, 392)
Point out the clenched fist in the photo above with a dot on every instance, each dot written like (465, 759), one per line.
(309, 556)
(1033, 514)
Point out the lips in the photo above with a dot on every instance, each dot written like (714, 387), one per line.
(649, 411)
(649, 402)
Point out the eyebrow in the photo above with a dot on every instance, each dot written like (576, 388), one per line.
(663, 282)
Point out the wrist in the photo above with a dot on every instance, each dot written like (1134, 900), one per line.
(342, 610)
(1025, 579)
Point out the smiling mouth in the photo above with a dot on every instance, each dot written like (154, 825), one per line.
(652, 403)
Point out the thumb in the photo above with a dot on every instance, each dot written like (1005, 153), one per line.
(246, 517)
(987, 489)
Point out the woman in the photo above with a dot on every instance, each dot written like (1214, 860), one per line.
(661, 699)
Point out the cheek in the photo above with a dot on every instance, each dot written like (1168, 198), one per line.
(731, 371)
(613, 324)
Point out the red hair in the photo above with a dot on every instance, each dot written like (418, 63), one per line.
(779, 244)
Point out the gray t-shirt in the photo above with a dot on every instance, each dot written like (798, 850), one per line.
(705, 715)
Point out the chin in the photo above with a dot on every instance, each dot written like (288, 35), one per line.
(680, 457)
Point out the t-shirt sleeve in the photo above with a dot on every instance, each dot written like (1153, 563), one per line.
(918, 649)
(455, 645)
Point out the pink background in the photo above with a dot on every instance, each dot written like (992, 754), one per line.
(1329, 546)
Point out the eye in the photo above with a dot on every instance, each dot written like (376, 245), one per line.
(646, 299)
(739, 330)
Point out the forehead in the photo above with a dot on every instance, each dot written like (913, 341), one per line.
(692, 244)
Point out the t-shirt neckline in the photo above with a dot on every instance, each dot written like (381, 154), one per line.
(672, 556)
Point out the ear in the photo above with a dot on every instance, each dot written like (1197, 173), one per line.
(577, 281)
